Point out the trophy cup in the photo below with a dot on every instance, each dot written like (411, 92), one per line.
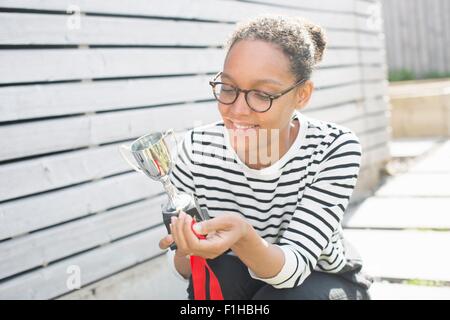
(153, 158)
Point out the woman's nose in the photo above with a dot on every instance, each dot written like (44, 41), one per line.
(240, 106)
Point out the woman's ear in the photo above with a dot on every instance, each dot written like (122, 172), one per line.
(304, 93)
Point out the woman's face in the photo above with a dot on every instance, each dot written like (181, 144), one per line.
(255, 64)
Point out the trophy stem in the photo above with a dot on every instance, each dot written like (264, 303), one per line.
(170, 190)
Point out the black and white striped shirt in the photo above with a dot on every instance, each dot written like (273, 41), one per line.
(297, 203)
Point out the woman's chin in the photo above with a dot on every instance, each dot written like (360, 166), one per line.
(247, 153)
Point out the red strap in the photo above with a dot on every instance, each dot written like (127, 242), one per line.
(199, 266)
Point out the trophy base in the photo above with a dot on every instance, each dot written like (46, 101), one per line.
(192, 208)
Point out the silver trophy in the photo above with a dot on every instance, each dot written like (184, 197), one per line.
(153, 158)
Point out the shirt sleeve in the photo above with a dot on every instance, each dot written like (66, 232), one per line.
(319, 212)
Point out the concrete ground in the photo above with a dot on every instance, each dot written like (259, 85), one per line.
(403, 230)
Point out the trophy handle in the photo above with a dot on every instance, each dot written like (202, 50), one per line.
(171, 132)
(168, 133)
(124, 150)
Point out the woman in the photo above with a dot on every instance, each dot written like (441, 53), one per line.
(275, 182)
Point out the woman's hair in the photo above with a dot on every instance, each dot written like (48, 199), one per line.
(302, 41)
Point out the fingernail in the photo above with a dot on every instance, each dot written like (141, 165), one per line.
(182, 215)
(197, 227)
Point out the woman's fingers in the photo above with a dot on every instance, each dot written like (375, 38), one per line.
(172, 231)
(208, 248)
(193, 244)
(178, 232)
(222, 233)
(191, 239)
(165, 242)
(208, 226)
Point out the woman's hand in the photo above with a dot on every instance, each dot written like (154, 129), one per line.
(166, 242)
(222, 233)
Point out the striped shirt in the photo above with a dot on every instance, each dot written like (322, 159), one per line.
(297, 203)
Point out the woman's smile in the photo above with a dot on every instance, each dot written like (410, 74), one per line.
(240, 125)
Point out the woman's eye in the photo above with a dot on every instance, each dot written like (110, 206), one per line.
(262, 96)
(226, 88)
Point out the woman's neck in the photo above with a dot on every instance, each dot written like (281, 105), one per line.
(286, 139)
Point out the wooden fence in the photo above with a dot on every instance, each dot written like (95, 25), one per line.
(417, 36)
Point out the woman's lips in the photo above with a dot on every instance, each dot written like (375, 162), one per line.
(241, 125)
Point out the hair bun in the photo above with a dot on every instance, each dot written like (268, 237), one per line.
(319, 39)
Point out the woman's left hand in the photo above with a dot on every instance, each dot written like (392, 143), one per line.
(222, 233)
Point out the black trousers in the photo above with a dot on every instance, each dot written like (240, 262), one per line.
(237, 284)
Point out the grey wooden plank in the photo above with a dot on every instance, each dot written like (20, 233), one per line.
(395, 291)
(403, 254)
(375, 89)
(386, 25)
(374, 149)
(372, 56)
(41, 248)
(55, 171)
(74, 132)
(415, 37)
(435, 26)
(446, 8)
(20, 216)
(50, 282)
(404, 32)
(33, 29)
(26, 28)
(336, 95)
(366, 8)
(423, 53)
(344, 6)
(376, 103)
(336, 57)
(32, 101)
(365, 126)
(198, 9)
(403, 213)
(416, 185)
(374, 73)
(71, 64)
(388, 13)
(149, 280)
(371, 41)
(333, 76)
(340, 114)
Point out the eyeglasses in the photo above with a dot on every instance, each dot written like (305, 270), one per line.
(257, 100)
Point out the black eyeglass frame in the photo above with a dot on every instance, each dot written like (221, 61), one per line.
(272, 97)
